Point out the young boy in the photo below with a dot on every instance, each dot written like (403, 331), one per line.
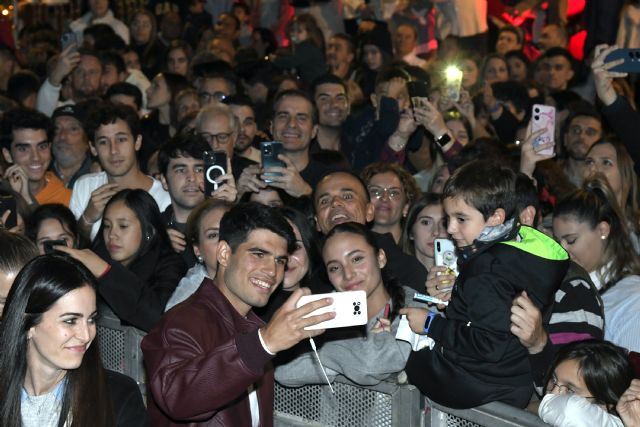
(477, 359)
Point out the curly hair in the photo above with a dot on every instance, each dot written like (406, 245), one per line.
(409, 184)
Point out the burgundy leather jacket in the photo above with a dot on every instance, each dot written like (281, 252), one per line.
(201, 359)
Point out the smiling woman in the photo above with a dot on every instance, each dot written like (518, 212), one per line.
(354, 262)
(50, 367)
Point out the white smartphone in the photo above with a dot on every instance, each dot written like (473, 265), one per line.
(350, 308)
(544, 117)
(445, 254)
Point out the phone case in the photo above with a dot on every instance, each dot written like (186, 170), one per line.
(8, 203)
(350, 308)
(68, 39)
(543, 117)
(269, 151)
(417, 89)
(631, 62)
(215, 163)
(445, 254)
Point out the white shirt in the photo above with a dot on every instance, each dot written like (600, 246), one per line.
(622, 313)
(571, 410)
(78, 26)
(86, 184)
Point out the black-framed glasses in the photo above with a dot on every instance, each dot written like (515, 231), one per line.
(222, 138)
(207, 97)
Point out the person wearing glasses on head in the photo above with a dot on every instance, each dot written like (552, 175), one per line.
(584, 385)
(392, 191)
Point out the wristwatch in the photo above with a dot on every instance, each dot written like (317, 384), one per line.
(444, 139)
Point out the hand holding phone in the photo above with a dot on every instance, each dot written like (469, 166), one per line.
(8, 204)
(350, 308)
(543, 117)
(269, 152)
(445, 254)
(630, 60)
(215, 163)
(49, 244)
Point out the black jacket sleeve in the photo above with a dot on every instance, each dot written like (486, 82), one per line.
(139, 299)
(128, 407)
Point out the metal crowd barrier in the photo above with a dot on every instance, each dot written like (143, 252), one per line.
(495, 414)
(386, 405)
(120, 347)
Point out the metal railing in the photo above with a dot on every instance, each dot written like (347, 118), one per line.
(388, 404)
(120, 347)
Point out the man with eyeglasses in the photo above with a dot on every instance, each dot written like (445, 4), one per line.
(583, 128)
(214, 89)
(26, 146)
(343, 197)
(217, 125)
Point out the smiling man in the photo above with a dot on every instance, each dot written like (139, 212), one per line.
(343, 197)
(295, 124)
(332, 102)
(26, 145)
(208, 361)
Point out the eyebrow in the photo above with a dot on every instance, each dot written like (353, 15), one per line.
(77, 314)
(348, 255)
(28, 143)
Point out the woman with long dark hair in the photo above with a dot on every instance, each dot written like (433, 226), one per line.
(355, 262)
(132, 258)
(303, 264)
(590, 226)
(50, 366)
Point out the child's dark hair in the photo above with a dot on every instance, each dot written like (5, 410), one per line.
(390, 283)
(484, 185)
(605, 369)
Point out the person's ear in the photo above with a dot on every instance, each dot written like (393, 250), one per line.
(138, 143)
(224, 253)
(497, 217)
(315, 219)
(314, 131)
(7, 155)
(604, 229)
(405, 210)
(163, 180)
(370, 213)
(93, 150)
(528, 216)
(196, 250)
(382, 259)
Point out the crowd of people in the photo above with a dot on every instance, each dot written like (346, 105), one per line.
(353, 137)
